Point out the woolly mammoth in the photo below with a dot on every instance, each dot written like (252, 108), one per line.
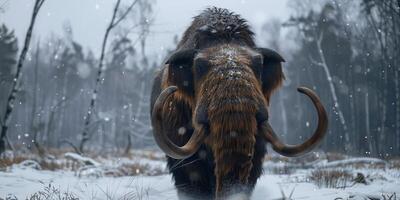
(209, 108)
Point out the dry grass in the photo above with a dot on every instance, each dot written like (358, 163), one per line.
(276, 159)
(151, 155)
(55, 164)
(52, 193)
(360, 163)
(394, 164)
(133, 169)
(139, 193)
(284, 169)
(370, 166)
(333, 156)
(331, 178)
(9, 161)
(45, 164)
(110, 165)
(136, 168)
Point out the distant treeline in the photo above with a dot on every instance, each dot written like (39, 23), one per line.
(347, 51)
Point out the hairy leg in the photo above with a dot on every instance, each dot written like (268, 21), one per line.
(194, 176)
(259, 153)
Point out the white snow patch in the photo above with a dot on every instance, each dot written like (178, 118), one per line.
(351, 161)
(80, 159)
(23, 181)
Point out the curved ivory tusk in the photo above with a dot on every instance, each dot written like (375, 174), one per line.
(163, 141)
(296, 150)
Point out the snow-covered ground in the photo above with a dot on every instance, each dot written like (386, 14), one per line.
(25, 181)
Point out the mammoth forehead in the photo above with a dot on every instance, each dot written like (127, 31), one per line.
(227, 54)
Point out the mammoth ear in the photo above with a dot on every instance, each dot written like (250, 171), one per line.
(271, 73)
(180, 70)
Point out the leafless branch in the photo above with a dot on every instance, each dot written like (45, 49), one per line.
(114, 15)
(16, 81)
(65, 141)
(113, 23)
(313, 61)
(10, 144)
(40, 4)
(332, 88)
(122, 17)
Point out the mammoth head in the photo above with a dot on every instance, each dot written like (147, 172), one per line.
(188, 69)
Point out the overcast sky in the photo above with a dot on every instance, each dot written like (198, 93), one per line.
(89, 18)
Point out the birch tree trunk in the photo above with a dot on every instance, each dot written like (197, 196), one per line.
(35, 125)
(58, 127)
(384, 111)
(396, 35)
(367, 123)
(99, 80)
(396, 81)
(337, 108)
(16, 81)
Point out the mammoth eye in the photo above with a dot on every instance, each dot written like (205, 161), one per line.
(256, 65)
(201, 67)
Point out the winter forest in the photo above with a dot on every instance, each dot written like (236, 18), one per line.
(75, 115)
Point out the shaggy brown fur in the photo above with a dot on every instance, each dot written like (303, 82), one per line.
(216, 25)
(222, 76)
(231, 92)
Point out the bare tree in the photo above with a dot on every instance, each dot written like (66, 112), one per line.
(113, 23)
(336, 106)
(35, 125)
(16, 81)
(383, 17)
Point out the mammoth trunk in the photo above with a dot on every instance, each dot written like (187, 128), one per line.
(231, 96)
(232, 140)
